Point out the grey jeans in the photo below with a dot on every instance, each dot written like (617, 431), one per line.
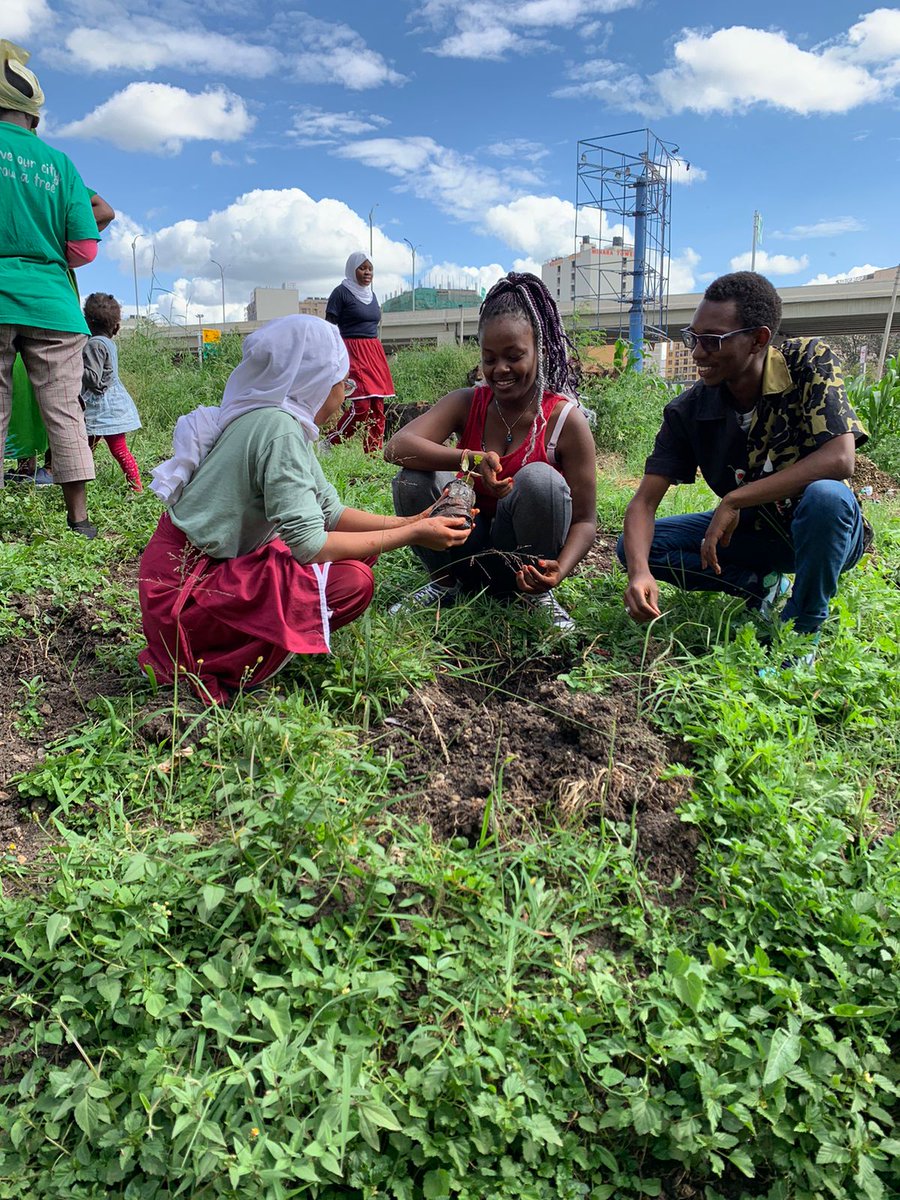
(531, 522)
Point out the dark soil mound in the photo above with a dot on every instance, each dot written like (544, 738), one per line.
(867, 475)
(523, 762)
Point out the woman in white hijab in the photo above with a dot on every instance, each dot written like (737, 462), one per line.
(353, 307)
(256, 558)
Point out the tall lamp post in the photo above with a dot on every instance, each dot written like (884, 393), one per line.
(371, 215)
(222, 275)
(134, 242)
(412, 250)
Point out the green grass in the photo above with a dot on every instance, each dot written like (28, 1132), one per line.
(239, 973)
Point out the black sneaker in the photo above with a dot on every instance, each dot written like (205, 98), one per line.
(85, 528)
(430, 596)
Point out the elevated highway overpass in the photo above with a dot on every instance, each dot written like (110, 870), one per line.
(819, 310)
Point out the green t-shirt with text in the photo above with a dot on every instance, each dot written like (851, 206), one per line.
(43, 204)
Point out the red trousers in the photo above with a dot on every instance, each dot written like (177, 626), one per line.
(232, 623)
(118, 448)
(367, 414)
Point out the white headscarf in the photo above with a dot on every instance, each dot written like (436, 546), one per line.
(354, 262)
(291, 363)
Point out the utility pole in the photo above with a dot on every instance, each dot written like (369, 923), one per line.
(886, 336)
(222, 275)
(412, 250)
(137, 307)
(757, 238)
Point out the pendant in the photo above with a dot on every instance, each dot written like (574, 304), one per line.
(508, 438)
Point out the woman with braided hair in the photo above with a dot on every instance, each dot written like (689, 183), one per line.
(533, 452)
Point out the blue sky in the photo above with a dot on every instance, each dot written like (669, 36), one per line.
(262, 135)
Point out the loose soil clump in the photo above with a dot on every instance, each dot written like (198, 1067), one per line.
(523, 760)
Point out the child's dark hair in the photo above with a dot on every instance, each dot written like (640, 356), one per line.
(103, 313)
(755, 298)
(521, 294)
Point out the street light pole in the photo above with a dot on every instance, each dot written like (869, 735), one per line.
(222, 274)
(412, 250)
(371, 215)
(137, 307)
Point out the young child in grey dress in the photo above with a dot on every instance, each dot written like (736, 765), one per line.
(109, 411)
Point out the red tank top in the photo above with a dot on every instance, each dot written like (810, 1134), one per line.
(473, 439)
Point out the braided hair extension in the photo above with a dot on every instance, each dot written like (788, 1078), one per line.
(524, 295)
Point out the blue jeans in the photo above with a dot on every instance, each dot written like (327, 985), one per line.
(824, 539)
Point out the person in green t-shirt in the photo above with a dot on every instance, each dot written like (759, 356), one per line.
(46, 227)
(26, 436)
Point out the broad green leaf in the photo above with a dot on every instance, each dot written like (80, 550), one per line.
(436, 1184)
(831, 1152)
(784, 1051)
(211, 897)
(88, 1114)
(690, 989)
(215, 972)
(378, 1114)
(540, 1126)
(860, 1010)
(867, 1180)
(136, 869)
(109, 988)
(57, 925)
(279, 1017)
(744, 1163)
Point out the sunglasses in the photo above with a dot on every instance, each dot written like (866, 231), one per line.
(349, 387)
(711, 342)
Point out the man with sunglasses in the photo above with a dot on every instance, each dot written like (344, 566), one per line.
(773, 435)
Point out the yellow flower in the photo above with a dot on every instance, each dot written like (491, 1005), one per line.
(254, 1132)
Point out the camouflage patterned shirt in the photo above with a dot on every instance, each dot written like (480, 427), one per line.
(803, 404)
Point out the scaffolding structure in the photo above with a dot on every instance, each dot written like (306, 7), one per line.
(622, 209)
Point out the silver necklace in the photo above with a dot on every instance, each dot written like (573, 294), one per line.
(509, 428)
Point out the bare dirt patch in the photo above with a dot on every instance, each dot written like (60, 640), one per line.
(47, 680)
(538, 755)
(867, 475)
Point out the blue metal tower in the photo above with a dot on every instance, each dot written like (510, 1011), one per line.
(622, 242)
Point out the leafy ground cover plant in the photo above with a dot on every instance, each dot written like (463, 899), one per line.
(249, 955)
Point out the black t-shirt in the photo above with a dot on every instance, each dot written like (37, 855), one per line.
(353, 318)
(802, 405)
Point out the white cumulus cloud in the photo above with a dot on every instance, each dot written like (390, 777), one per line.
(686, 172)
(826, 228)
(451, 274)
(737, 67)
(770, 264)
(682, 271)
(734, 68)
(159, 118)
(875, 38)
(264, 238)
(845, 276)
(314, 126)
(146, 44)
(335, 53)
(457, 183)
(492, 29)
(22, 18)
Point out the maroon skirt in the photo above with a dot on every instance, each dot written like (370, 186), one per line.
(230, 623)
(369, 368)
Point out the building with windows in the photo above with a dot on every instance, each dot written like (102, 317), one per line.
(314, 306)
(267, 303)
(676, 362)
(593, 273)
